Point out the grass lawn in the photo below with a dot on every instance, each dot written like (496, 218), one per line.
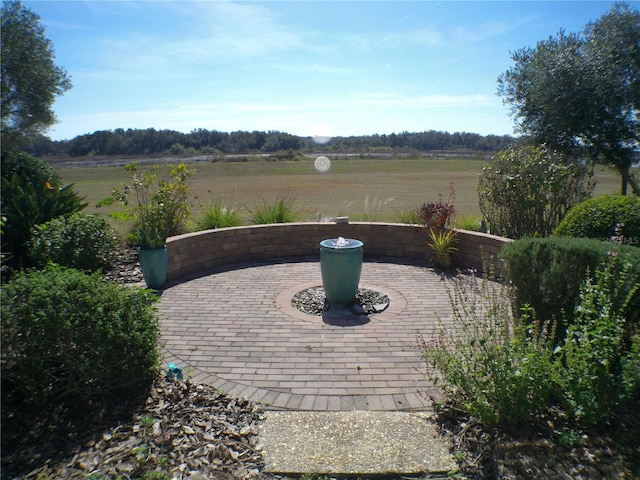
(364, 190)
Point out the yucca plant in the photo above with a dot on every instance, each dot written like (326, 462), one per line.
(443, 246)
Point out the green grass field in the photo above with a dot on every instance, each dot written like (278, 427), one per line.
(364, 190)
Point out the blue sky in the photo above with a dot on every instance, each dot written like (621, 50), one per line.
(303, 67)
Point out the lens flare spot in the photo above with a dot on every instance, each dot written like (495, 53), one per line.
(322, 164)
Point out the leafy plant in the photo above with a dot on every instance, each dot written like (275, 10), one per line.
(527, 191)
(160, 204)
(69, 337)
(597, 218)
(488, 365)
(436, 214)
(280, 211)
(443, 246)
(547, 274)
(594, 372)
(86, 242)
(218, 215)
(25, 204)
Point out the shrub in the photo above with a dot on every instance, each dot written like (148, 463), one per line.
(85, 242)
(486, 365)
(69, 337)
(280, 211)
(30, 168)
(504, 371)
(218, 215)
(598, 371)
(598, 217)
(547, 274)
(30, 198)
(528, 191)
(161, 208)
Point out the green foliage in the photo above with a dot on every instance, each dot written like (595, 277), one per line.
(411, 216)
(486, 365)
(469, 222)
(85, 242)
(280, 211)
(547, 274)
(594, 372)
(598, 217)
(442, 243)
(161, 207)
(580, 92)
(31, 195)
(30, 79)
(30, 168)
(528, 191)
(218, 215)
(505, 370)
(69, 337)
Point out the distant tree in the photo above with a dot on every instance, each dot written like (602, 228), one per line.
(30, 78)
(581, 93)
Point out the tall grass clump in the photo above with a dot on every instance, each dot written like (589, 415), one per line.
(411, 216)
(279, 211)
(470, 222)
(218, 215)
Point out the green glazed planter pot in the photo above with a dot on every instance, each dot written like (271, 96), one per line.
(153, 264)
(341, 265)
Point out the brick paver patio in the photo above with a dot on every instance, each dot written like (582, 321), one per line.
(235, 329)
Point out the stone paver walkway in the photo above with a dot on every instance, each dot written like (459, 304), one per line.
(235, 329)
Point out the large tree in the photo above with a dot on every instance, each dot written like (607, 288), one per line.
(580, 93)
(30, 79)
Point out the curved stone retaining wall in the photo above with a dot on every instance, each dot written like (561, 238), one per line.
(195, 252)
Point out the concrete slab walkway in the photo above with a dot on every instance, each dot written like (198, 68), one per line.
(353, 443)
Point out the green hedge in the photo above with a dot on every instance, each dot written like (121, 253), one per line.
(547, 274)
(598, 217)
(69, 337)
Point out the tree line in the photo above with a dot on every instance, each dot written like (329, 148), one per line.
(160, 142)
